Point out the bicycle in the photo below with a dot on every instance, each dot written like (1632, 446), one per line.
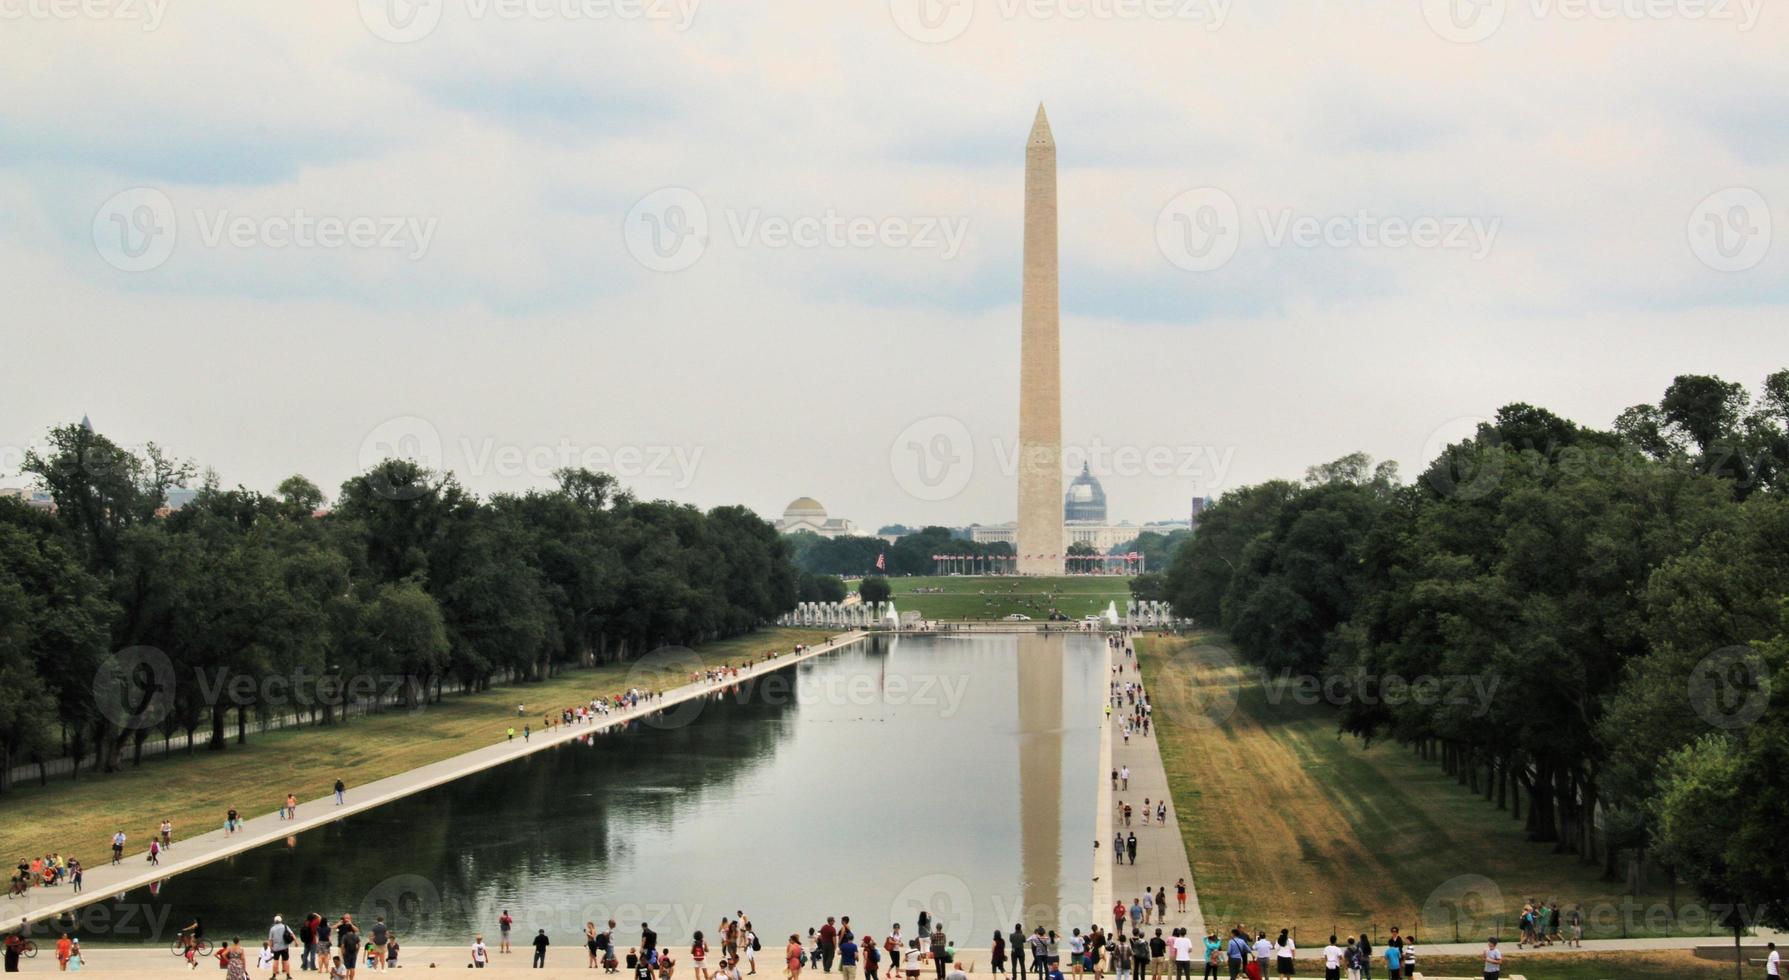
(199, 947)
(28, 949)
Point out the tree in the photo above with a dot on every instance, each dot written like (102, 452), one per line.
(874, 589)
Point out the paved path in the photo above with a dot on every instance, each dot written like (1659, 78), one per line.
(1161, 853)
(103, 880)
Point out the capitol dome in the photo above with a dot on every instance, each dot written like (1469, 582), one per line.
(1085, 501)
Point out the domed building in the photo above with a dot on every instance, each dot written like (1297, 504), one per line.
(806, 514)
(1085, 502)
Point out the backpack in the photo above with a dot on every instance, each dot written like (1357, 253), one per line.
(756, 948)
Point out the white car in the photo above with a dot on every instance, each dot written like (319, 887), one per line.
(1018, 618)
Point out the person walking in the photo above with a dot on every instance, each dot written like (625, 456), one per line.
(118, 847)
(1130, 846)
(540, 949)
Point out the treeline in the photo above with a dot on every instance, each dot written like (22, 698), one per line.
(119, 619)
(1625, 591)
(910, 554)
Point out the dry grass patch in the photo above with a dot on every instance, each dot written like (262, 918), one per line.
(1289, 823)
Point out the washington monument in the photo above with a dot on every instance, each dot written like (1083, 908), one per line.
(1040, 366)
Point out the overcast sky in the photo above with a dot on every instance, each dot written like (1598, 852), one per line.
(745, 250)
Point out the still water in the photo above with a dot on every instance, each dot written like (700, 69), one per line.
(954, 774)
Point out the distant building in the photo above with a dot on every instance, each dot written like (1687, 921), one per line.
(14, 493)
(1199, 505)
(179, 497)
(1085, 502)
(806, 514)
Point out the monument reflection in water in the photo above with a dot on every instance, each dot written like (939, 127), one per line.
(953, 774)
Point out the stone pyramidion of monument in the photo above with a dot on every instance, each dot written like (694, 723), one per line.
(1040, 537)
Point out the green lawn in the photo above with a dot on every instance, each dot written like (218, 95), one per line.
(1288, 823)
(1584, 966)
(77, 817)
(995, 597)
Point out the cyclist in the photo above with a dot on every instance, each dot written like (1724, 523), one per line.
(190, 937)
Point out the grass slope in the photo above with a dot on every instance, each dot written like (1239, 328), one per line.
(1288, 823)
(77, 817)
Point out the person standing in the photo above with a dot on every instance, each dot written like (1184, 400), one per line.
(235, 961)
(1016, 942)
(307, 942)
(480, 955)
(1263, 954)
(1285, 951)
(848, 957)
(1773, 963)
(1493, 960)
(279, 941)
(827, 944)
(341, 796)
(504, 922)
(939, 942)
(118, 847)
(1332, 960)
(381, 936)
(1130, 846)
(540, 949)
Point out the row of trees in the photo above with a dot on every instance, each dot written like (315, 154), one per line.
(1624, 594)
(119, 618)
(910, 554)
